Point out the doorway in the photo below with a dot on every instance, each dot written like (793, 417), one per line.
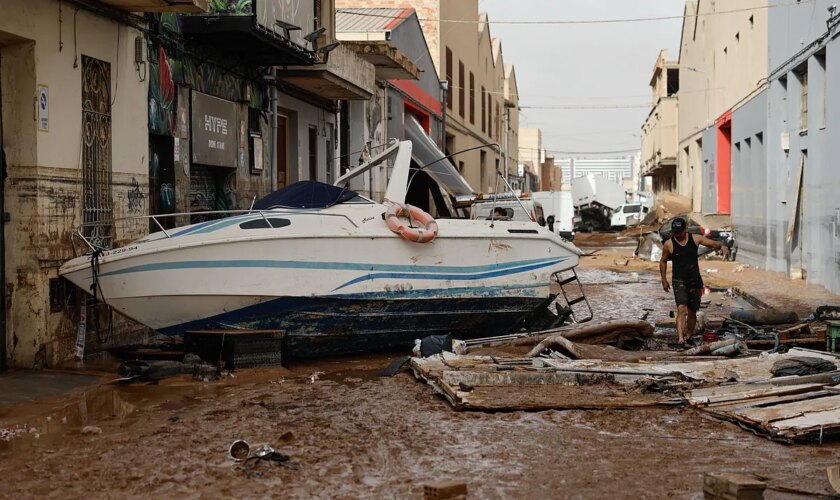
(282, 150)
(796, 234)
(313, 153)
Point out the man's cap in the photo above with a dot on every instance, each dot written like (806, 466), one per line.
(678, 225)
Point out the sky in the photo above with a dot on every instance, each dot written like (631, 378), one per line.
(603, 64)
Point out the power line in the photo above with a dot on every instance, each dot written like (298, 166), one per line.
(591, 107)
(581, 21)
(575, 153)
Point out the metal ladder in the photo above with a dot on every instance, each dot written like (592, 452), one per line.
(579, 297)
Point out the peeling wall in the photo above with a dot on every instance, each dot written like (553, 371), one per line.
(44, 185)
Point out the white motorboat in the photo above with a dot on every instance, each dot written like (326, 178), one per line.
(333, 276)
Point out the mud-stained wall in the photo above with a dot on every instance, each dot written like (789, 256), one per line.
(44, 194)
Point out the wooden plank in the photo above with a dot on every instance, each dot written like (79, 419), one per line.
(794, 207)
(236, 332)
(766, 401)
(556, 397)
(792, 410)
(758, 393)
(476, 378)
(811, 423)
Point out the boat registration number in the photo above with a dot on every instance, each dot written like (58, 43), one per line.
(118, 251)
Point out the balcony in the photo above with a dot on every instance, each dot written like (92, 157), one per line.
(345, 75)
(262, 32)
(660, 142)
(390, 62)
(180, 6)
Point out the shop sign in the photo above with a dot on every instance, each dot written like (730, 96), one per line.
(214, 131)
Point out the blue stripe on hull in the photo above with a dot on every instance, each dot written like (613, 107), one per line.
(464, 271)
(322, 326)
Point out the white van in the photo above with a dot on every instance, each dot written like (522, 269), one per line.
(558, 204)
(533, 210)
(629, 213)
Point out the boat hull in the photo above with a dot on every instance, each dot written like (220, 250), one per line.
(352, 287)
(321, 326)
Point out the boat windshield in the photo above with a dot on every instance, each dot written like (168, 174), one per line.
(307, 194)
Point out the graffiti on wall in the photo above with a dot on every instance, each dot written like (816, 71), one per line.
(136, 199)
(161, 95)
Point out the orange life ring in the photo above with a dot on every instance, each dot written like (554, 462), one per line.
(424, 234)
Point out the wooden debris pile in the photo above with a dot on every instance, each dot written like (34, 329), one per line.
(739, 389)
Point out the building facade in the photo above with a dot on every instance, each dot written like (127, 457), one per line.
(618, 170)
(659, 132)
(722, 64)
(393, 40)
(471, 63)
(73, 120)
(108, 117)
(785, 212)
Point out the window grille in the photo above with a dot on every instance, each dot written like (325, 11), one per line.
(97, 204)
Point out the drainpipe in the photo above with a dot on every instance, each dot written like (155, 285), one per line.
(507, 140)
(444, 87)
(272, 113)
(3, 353)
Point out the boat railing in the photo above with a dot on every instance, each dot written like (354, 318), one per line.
(100, 235)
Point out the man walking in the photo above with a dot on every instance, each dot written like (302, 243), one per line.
(688, 284)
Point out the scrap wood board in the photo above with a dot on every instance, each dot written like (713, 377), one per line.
(742, 369)
(488, 384)
(803, 412)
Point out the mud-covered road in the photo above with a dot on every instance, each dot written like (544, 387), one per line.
(351, 434)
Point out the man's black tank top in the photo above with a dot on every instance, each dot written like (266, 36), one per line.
(685, 265)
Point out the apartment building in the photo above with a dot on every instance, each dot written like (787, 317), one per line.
(723, 63)
(482, 100)
(659, 132)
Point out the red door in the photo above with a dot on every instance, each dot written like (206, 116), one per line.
(724, 163)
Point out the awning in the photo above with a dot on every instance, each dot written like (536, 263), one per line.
(425, 152)
(183, 6)
(242, 37)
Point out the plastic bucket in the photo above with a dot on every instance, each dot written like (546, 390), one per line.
(832, 336)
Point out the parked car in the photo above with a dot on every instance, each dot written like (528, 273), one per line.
(627, 214)
(533, 210)
(716, 227)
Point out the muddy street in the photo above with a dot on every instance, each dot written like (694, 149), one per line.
(350, 434)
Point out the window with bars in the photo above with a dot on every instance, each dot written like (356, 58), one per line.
(802, 76)
(97, 204)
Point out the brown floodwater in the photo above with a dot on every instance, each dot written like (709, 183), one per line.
(351, 434)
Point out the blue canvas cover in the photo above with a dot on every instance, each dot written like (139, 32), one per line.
(305, 194)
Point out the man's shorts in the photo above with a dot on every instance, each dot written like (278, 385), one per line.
(687, 296)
